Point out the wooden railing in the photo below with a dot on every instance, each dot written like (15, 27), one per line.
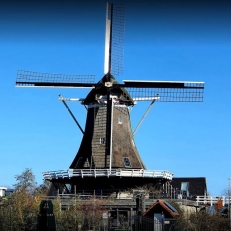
(120, 198)
(211, 200)
(61, 174)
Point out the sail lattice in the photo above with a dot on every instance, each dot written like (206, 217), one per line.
(29, 78)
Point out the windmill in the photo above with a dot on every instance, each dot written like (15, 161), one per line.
(107, 157)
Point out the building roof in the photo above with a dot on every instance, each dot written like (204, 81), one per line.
(166, 208)
(196, 185)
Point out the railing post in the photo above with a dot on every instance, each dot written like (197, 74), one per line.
(75, 208)
(223, 201)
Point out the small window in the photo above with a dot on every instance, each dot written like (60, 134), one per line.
(102, 140)
(80, 161)
(120, 120)
(127, 163)
(184, 186)
(87, 164)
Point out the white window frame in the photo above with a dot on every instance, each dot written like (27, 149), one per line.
(102, 140)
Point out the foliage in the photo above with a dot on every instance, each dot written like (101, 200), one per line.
(150, 191)
(200, 220)
(70, 216)
(25, 181)
(181, 221)
(93, 215)
(43, 188)
(20, 210)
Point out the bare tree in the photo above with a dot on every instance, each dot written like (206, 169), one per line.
(25, 181)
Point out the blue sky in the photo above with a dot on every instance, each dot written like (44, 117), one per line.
(164, 40)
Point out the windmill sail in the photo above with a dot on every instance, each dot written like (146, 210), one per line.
(114, 39)
(132, 90)
(107, 56)
(40, 79)
(167, 91)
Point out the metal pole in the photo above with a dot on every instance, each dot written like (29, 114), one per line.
(72, 115)
(109, 121)
(163, 218)
(75, 208)
(229, 202)
(150, 106)
(111, 130)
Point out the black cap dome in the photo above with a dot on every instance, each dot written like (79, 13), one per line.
(124, 96)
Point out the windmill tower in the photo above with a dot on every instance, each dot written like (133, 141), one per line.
(107, 158)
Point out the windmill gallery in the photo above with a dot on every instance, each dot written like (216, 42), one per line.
(108, 162)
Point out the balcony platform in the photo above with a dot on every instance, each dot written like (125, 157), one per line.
(95, 173)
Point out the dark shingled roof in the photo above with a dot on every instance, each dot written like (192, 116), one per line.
(197, 185)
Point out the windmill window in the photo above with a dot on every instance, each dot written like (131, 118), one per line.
(184, 186)
(184, 189)
(120, 120)
(127, 162)
(102, 140)
(80, 161)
